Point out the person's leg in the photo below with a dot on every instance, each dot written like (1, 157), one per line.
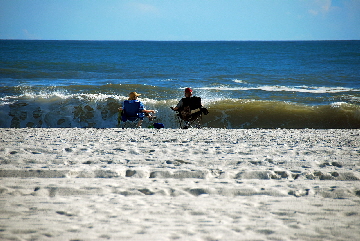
(139, 123)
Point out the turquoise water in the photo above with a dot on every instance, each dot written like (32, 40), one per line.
(281, 84)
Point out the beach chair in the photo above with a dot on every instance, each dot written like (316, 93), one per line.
(190, 115)
(131, 114)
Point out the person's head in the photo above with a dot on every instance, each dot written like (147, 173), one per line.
(188, 92)
(133, 96)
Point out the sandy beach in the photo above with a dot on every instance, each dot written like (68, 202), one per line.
(172, 184)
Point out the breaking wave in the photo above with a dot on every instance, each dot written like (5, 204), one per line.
(59, 109)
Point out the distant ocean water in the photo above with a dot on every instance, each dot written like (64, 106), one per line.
(244, 84)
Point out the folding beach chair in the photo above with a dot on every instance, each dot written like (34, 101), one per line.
(190, 115)
(131, 114)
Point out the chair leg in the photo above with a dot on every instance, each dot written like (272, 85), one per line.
(139, 124)
(196, 123)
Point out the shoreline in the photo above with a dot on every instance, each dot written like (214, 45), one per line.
(173, 184)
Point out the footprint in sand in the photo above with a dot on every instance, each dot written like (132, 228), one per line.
(64, 213)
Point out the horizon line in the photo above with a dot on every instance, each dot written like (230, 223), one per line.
(119, 40)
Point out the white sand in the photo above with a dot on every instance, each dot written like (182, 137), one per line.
(168, 184)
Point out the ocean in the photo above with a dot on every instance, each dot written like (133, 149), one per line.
(243, 84)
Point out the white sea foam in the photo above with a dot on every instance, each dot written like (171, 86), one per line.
(338, 104)
(279, 88)
(239, 81)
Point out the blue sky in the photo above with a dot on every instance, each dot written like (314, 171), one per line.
(180, 19)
